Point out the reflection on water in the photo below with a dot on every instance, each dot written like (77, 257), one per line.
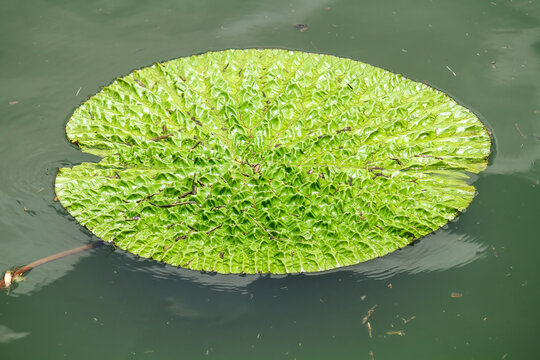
(221, 311)
(7, 335)
(271, 15)
(526, 165)
(514, 47)
(179, 309)
(437, 252)
(219, 282)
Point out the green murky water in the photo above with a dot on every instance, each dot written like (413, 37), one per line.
(111, 305)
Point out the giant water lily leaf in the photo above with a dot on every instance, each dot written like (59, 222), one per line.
(249, 161)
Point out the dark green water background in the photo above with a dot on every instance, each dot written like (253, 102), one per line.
(104, 304)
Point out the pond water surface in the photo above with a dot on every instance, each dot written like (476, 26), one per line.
(104, 304)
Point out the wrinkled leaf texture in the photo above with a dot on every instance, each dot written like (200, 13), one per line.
(269, 161)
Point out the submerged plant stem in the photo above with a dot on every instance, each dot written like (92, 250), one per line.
(50, 258)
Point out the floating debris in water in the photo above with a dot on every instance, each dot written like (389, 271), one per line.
(456, 295)
(7, 279)
(409, 319)
(301, 27)
(398, 332)
(519, 130)
(369, 313)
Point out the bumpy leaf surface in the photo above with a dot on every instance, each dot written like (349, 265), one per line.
(249, 161)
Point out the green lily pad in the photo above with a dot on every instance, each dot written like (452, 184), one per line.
(269, 161)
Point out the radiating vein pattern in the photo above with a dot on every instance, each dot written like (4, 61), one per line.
(269, 161)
